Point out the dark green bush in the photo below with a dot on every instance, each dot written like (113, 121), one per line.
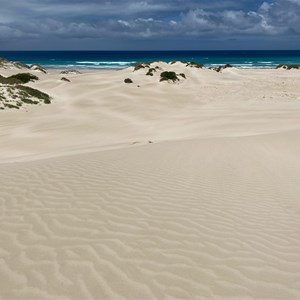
(65, 79)
(141, 65)
(28, 91)
(8, 105)
(9, 80)
(194, 64)
(20, 65)
(220, 68)
(165, 76)
(150, 71)
(17, 64)
(29, 101)
(24, 77)
(70, 72)
(288, 67)
(38, 68)
(128, 80)
(182, 75)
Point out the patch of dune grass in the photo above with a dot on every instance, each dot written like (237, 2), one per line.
(194, 64)
(28, 91)
(9, 80)
(24, 77)
(29, 101)
(8, 105)
(166, 76)
(288, 67)
(139, 66)
(150, 71)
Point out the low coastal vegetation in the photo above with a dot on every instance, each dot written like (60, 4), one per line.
(128, 80)
(38, 68)
(29, 101)
(6, 64)
(166, 76)
(194, 64)
(221, 68)
(13, 94)
(146, 65)
(18, 79)
(151, 71)
(288, 67)
(9, 80)
(142, 65)
(70, 72)
(19, 95)
(28, 92)
(149, 65)
(24, 77)
(65, 79)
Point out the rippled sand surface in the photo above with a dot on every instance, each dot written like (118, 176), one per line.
(186, 191)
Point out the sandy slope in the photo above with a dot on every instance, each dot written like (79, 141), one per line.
(210, 210)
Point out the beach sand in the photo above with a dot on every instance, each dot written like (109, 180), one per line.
(162, 191)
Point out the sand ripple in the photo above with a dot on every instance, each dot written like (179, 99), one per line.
(160, 221)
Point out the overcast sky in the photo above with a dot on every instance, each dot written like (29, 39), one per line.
(149, 24)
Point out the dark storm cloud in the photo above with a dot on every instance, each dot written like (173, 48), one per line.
(22, 21)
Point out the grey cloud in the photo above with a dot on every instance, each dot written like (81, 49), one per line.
(148, 19)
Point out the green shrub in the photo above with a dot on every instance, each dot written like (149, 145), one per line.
(182, 75)
(20, 65)
(70, 72)
(24, 77)
(288, 67)
(8, 105)
(65, 79)
(141, 65)
(165, 76)
(36, 67)
(128, 80)
(28, 91)
(220, 68)
(150, 71)
(194, 64)
(9, 80)
(29, 101)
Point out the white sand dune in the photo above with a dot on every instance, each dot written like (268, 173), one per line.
(209, 210)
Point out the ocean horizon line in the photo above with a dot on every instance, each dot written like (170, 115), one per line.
(211, 50)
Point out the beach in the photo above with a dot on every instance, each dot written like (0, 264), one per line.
(154, 189)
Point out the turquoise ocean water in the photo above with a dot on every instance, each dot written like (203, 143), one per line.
(123, 59)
